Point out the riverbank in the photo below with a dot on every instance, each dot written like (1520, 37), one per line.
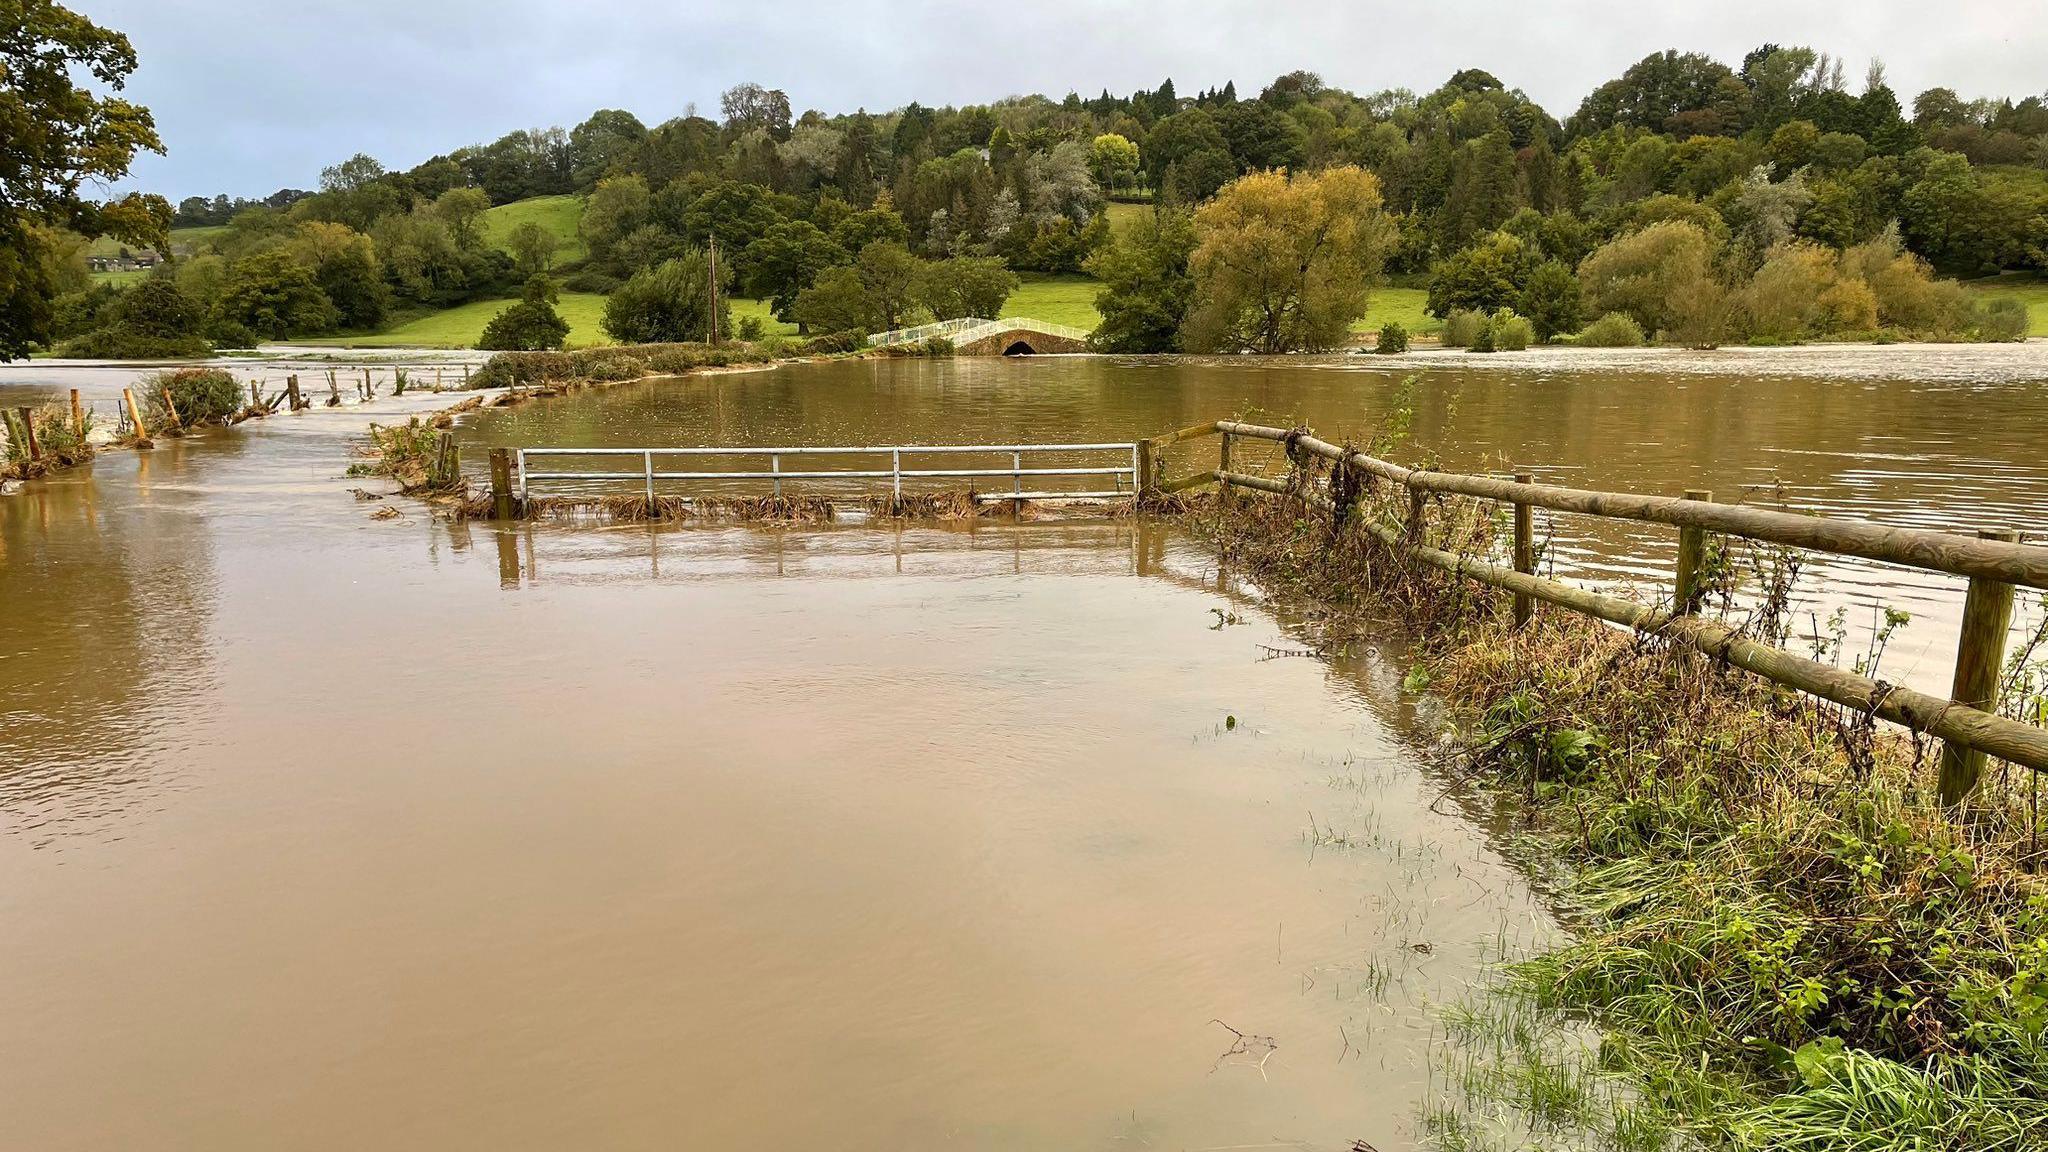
(1779, 933)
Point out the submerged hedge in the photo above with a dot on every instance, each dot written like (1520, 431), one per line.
(632, 361)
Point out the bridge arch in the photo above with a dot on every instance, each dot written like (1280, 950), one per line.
(1020, 348)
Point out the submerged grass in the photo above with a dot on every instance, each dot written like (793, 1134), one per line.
(1781, 938)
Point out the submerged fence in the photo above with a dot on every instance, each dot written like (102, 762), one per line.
(1994, 562)
(1117, 466)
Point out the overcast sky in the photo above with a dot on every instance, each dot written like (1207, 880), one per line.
(251, 97)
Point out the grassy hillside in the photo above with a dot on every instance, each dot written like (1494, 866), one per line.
(2028, 288)
(460, 327)
(743, 308)
(557, 214)
(1056, 299)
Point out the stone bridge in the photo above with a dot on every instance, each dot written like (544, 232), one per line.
(1010, 336)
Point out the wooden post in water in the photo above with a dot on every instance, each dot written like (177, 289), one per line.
(446, 467)
(1692, 552)
(171, 410)
(1148, 468)
(1980, 657)
(256, 398)
(1416, 507)
(1525, 551)
(77, 418)
(1223, 465)
(501, 483)
(134, 413)
(28, 430)
(291, 389)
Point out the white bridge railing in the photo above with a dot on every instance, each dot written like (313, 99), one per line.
(1113, 464)
(968, 329)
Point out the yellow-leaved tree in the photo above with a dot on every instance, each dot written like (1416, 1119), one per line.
(1284, 264)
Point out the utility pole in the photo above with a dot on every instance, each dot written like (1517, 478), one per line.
(714, 290)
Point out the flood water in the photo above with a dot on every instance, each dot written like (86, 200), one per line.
(1936, 436)
(319, 830)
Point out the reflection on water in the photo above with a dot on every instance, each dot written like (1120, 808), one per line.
(324, 831)
(329, 832)
(106, 637)
(1936, 436)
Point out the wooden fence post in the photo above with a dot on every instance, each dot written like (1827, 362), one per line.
(1416, 497)
(501, 483)
(256, 398)
(446, 467)
(1980, 657)
(1692, 552)
(1525, 550)
(291, 389)
(1223, 465)
(134, 413)
(28, 430)
(1148, 468)
(171, 409)
(77, 419)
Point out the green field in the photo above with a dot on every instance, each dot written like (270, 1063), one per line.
(557, 214)
(2028, 288)
(1122, 217)
(743, 308)
(1068, 300)
(1402, 305)
(1071, 300)
(460, 327)
(121, 279)
(1056, 300)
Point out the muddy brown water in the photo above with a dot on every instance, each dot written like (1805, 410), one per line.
(333, 832)
(1932, 436)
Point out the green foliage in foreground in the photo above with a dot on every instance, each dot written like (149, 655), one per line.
(1780, 936)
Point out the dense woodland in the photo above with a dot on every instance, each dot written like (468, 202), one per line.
(1688, 200)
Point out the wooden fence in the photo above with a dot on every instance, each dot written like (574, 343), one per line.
(1994, 562)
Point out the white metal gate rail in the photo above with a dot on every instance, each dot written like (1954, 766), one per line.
(1118, 473)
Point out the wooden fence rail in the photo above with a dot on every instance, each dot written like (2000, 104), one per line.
(1993, 562)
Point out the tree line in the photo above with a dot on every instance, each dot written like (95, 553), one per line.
(1474, 189)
